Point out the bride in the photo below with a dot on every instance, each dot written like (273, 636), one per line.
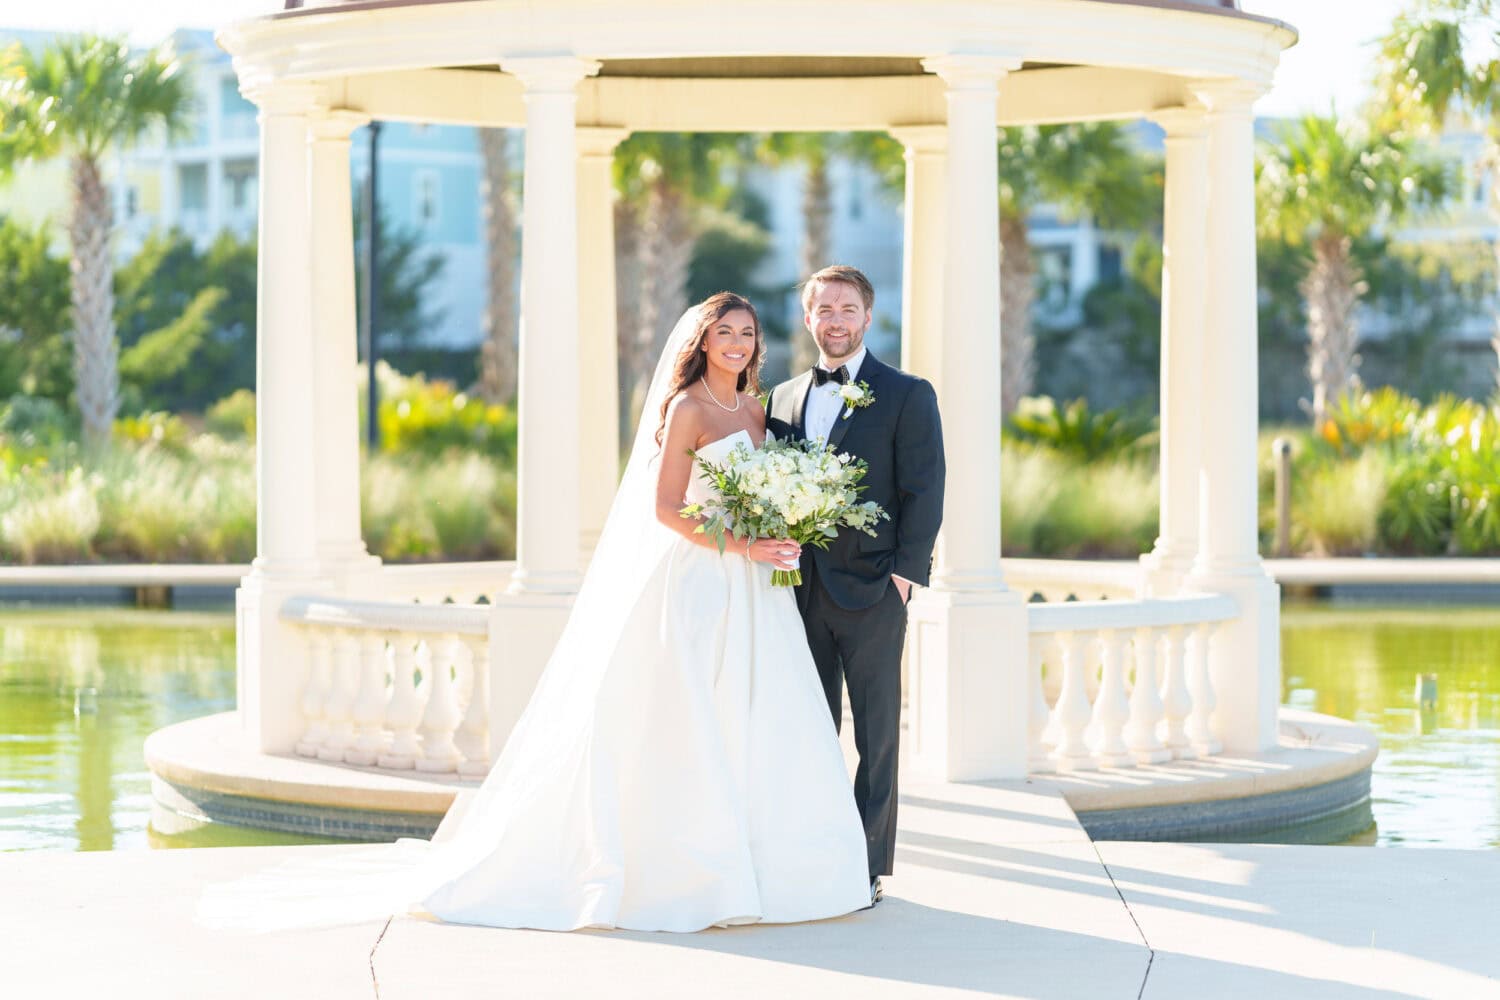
(676, 767)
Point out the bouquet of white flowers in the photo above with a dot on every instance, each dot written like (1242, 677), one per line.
(802, 490)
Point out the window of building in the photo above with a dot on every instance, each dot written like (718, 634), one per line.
(1054, 278)
(1110, 264)
(427, 208)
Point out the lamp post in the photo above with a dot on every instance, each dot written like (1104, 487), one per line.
(372, 280)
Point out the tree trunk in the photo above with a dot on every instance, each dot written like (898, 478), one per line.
(497, 356)
(817, 247)
(1331, 291)
(654, 248)
(95, 350)
(1017, 289)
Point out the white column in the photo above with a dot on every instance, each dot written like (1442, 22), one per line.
(528, 618)
(1184, 277)
(272, 660)
(285, 361)
(340, 545)
(598, 367)
(922, 250)
(966, 649)
(547, 494)
(969, 553)
(1245, 654)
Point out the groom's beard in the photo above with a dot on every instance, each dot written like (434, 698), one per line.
(848, 346)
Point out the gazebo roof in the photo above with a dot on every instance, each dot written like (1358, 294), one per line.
(757, 65)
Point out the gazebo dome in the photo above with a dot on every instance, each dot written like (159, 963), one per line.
(742, 66)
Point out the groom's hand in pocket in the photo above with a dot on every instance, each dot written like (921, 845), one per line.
(903, 588)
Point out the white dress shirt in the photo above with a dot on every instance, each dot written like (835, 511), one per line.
(823, 403)
(824, 407)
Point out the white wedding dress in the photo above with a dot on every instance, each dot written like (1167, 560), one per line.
(676, 767)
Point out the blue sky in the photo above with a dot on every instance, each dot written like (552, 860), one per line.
(1329, 65)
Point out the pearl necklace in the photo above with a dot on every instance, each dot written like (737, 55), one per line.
(732, 409)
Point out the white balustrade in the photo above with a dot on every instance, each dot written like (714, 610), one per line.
(1176, 702)
(397, 685)
(404, 711)
(1106, 715)
(1143, 731)
(315, 693)
(339, 710)
(1200, 731)
(369, 704)
(473, 736)
(1111, 707)
(441, 716)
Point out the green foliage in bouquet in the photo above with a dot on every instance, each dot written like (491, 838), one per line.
(801, 490)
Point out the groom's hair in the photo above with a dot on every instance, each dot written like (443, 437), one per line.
(838, 272)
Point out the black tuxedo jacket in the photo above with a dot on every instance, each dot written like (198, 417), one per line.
(900, 436)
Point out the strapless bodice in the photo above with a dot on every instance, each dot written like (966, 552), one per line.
(699, 488)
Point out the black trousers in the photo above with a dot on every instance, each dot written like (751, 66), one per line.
(863, 650)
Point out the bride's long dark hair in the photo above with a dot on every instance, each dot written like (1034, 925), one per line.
(692, 363)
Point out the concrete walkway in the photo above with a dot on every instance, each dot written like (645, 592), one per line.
(998, 892)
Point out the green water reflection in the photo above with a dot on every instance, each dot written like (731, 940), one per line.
(81, 688)
(1437, 781)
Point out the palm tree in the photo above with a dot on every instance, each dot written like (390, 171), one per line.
(814, 151)
(662, 179)
(1439, 60)
(1090, 168)
(497, 356)
(1325, 185)
(81, 97)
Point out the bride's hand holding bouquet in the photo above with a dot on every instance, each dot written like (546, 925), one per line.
(798, 490)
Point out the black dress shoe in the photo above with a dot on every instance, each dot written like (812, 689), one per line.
(877, 892)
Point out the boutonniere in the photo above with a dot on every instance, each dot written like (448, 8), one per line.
(856, 396)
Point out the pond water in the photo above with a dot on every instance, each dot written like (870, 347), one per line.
(81, 688)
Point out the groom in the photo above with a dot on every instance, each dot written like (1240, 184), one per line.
(853, 596)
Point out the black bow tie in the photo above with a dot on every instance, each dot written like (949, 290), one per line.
(839, 375)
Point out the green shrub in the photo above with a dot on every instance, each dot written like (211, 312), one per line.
(424, 417)
(1055, 505)
(1336, 505)
(233, 416)
(155, 428)
(50, 517)
(1075, 430)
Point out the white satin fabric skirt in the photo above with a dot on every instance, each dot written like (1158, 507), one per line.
(686, 777)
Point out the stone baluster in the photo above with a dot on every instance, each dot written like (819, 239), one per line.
(340, 707)
(439, 754)
(1070, 716)
(1199, 727)
(315, 694)
(1176, 703)
(368, 711)
(405, 708)
(473, 738)
(1146, 708)
(1111, 708)
(1037, 722)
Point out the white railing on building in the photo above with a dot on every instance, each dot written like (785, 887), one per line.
(1119, 683)
(394, 684)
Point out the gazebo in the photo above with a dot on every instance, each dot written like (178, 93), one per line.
(344, 659)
